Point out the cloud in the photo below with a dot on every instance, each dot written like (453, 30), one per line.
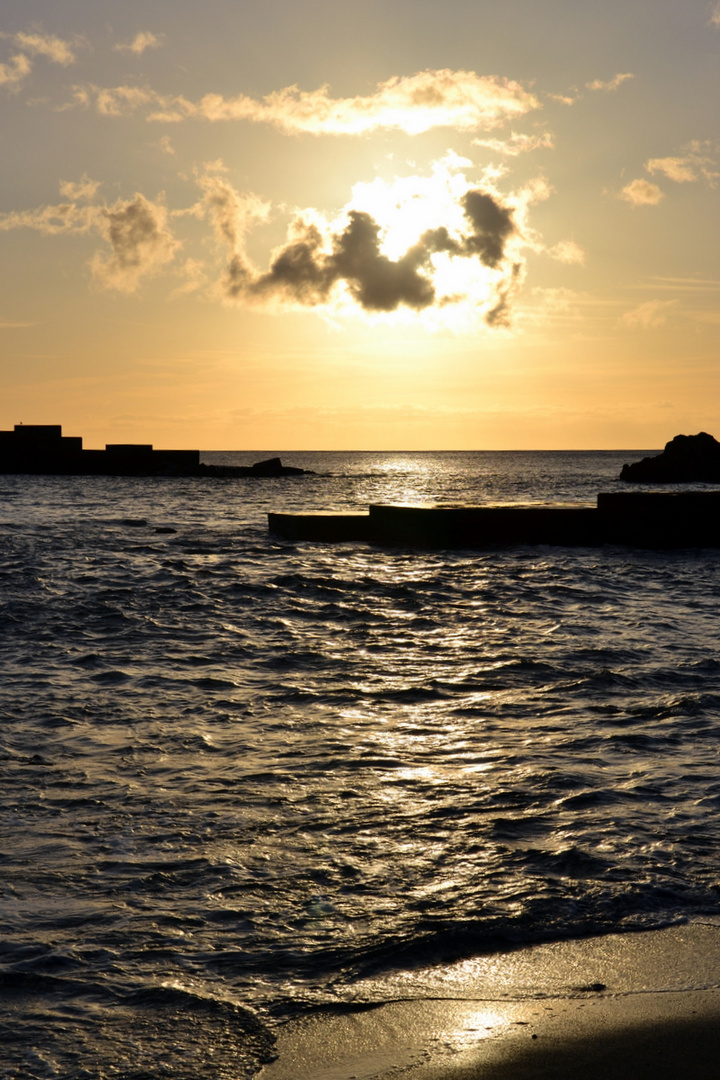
(54, 48)
(143, 40)
(413, 104)
(165, 144)
(650, 315)
(55, 220)
(641, 193)
(117, 102)
(231, 214)
(460, 247)
(20, 66)
(715, 17)
(613, 83)
(554, 306)
(564, 99)
(438, 245)
(83, 189)
(136, 230)
(567, 251)
(678, 169)
(13, 73)
(195, 275)
(141, 243)
(695, 164)
(517, 144)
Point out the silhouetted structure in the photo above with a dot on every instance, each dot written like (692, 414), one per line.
(42, 448)
(686, 459)
(642, 519)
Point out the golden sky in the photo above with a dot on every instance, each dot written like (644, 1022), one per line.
(341, 225)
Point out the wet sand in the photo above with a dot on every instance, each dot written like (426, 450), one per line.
(635, 1006)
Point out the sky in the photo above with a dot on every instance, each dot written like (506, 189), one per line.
(396, 225)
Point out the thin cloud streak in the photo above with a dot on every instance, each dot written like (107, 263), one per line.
(143, 40)
(612, 84)
(694, 164)
(649, 316)
(674, 168)
(414, 104)
(517, 143)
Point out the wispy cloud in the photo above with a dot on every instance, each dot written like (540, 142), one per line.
(140, 242)
(136, 230)
(13, 73)
(564, 99)
(194, 275)
(650, 315)
(54, 48)
(83, 189)
(567, 251)
(143, 40)
(52, 220)
(19, 67)
(611, 84)
(686, 284)
(695, 164)
(119, 101)
(517, 144)
(414, 104)
(675, 168)
(641, 193)
(715, 16)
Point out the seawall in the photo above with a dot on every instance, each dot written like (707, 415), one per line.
(642, 519)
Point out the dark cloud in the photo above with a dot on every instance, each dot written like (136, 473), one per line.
(299, 272)
(376, 282)
(492, 226)
(310, 265)
(140, 241)
(499, 313)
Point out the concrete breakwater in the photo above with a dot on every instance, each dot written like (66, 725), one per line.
(643, 519)
(42, 449)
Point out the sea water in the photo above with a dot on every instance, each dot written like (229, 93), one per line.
(242, 777)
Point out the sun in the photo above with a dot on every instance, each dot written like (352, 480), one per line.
(406, 208)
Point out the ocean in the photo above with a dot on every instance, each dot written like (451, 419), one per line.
(243, 778)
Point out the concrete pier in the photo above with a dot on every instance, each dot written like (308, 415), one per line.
(641, 519)
(326, 526)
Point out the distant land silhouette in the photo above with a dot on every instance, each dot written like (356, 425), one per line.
(43, 449)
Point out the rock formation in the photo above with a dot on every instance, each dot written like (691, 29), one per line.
(686, 459)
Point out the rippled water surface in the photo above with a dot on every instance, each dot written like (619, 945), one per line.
(240, 776)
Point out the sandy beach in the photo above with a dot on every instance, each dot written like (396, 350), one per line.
(624, 1006)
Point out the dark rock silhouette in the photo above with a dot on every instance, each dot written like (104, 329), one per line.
(271, 467)
(685, 459)
(43, 449)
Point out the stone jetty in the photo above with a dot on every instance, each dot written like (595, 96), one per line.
(43, 449)
(642, 519)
